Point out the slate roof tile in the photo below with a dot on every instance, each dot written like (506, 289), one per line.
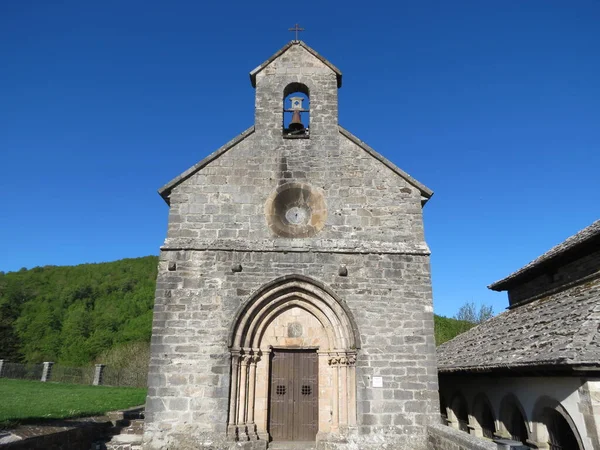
(562, 329)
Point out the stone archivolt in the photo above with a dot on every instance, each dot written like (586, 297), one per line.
(257, 329)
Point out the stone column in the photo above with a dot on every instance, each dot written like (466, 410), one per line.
(262, 427)
(1, 367)
(351, 368)
(98, 374)
(231, 428)
(253, 360)
(335, 392)
(589, 406)
(241, 419)
(343, 402)
(47, 371)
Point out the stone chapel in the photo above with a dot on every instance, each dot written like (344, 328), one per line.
(293, 300)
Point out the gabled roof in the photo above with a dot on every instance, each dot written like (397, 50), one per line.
(426, 193)
(557, 332)
(561, 249)
(165, 191)
(285, 49)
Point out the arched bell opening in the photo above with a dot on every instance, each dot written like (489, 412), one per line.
(293, 343)
(296, 111)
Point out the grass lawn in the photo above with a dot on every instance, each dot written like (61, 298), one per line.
(26, 401)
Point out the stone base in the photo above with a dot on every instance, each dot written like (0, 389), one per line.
(249, 445)
(125, 442)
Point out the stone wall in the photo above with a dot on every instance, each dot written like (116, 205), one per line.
(190, 366)
(369, 207)
(70, 435)
(441, 437)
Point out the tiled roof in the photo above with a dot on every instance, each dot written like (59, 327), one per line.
(561, 330)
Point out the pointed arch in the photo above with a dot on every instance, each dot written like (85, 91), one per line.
(484, 423)
(459, 412)
(305, 292)
(513, 419)
(553, 425)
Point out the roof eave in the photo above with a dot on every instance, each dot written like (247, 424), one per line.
(524, 368)
(280, 52)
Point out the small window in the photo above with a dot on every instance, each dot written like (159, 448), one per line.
(296, 111)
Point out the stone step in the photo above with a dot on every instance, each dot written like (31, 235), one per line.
(292, 446)
(136, 426)
(125, 442)
(123, 417)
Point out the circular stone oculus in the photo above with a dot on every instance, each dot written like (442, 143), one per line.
(296, 210)
(297, 215)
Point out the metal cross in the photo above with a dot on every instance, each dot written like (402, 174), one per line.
(296, 29)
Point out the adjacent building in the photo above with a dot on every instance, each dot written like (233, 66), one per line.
(532, 373)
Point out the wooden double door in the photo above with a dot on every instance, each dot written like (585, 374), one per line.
(294, 395)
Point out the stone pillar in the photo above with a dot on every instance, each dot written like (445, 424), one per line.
(47, 371)
(1, 367)
(262, 427)
(343, 393)
(589, 406)
(98, 374)
(231, 428)
(335, 393)
(241, 419)
(351, 389)
(251, 391)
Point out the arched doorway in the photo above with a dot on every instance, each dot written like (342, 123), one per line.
(293, 352)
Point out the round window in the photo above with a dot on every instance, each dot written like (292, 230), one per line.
(296, 210)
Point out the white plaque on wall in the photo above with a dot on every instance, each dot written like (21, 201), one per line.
(377, 381)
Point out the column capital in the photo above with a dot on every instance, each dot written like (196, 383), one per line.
(341, 358)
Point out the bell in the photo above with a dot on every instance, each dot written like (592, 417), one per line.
(296, 123)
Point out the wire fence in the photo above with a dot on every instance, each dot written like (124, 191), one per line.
(74, 375)
(22, 371)
(97, 375)
(124, 377)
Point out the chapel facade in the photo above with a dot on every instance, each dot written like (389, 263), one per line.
(293, 300)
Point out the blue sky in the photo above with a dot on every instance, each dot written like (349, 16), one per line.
(492, 104)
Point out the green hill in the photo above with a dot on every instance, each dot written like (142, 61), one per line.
(71, 314)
